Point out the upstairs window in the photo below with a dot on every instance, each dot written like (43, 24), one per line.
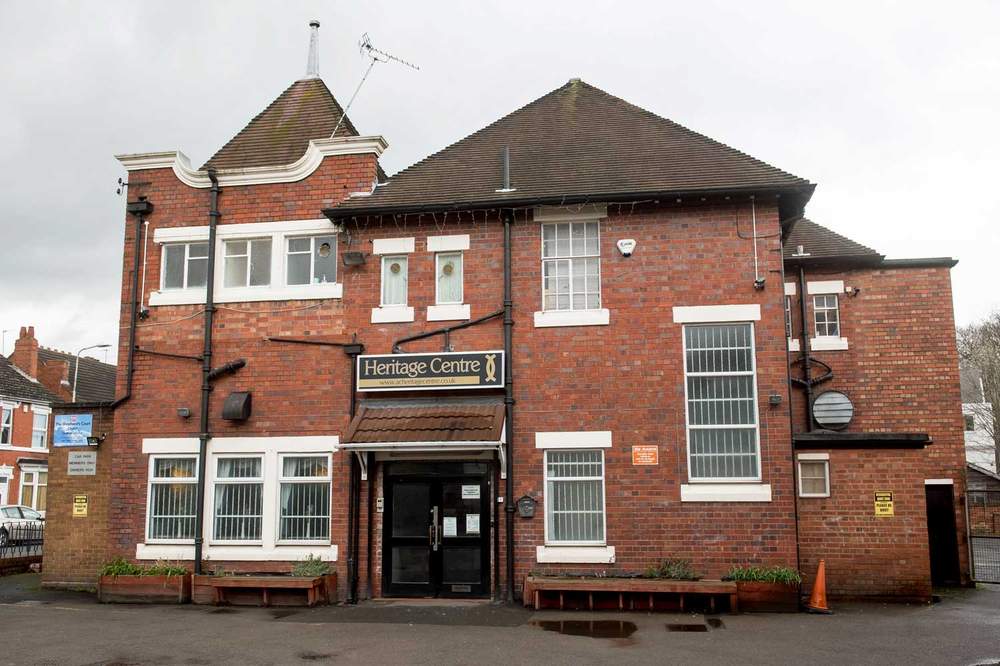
(173, 486)
(826, 311)
(721, 394)
(6, 421)
(394, 280)
(571, 266)
(449, 278)
(39, 430)
(970, 422)
(312, 260)
(788, 317)
(248, 263)
(185, 265)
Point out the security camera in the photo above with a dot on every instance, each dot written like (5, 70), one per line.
(626, 246)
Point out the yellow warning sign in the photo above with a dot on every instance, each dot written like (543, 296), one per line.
(883, 503)
(79, 506)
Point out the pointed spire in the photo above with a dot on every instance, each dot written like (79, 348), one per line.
(312, 66)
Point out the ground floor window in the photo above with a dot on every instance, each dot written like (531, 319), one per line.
(814, 478)
(172, 497)
(239, 499)
(34, 487)
(574, 497)
(305, 498)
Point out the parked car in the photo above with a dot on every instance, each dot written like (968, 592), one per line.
(20, 523)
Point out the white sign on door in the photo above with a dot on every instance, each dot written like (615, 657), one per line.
(470, 492)
(450, 526)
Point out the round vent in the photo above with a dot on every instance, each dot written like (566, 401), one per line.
(833, 410)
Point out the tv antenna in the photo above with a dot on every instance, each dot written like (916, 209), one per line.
(376, 55)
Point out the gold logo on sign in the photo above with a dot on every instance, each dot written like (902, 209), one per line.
(491, 367)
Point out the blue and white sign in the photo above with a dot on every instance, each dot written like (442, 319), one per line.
(72, 429)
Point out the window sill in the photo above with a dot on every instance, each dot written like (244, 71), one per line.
(827, 343)
(553, 318)
(248, 294)
(248, 553)
(726, 492)
(575, 554)
(26, 449)
(451, 312)
(389, 314)
(793, 344)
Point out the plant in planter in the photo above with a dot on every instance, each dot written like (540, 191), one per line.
(773, 588)
(162, 582)
(313, 567)
(672, 569)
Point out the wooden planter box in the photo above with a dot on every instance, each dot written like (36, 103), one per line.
(144, 589)
(768, 597)
(265, 590)
(626, 593)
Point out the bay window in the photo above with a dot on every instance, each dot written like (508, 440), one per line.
(184, 266)
(571, 266)
(172, 497)
(34, 487)
(574, 497)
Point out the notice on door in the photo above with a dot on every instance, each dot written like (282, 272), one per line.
(883, 503)
(450, 526)
(472, 523)
(470, 492)
(82, 463)
(645, 455)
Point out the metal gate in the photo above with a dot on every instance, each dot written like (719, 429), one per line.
(983, 509)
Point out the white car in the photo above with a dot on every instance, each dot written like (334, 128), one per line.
(19, 524)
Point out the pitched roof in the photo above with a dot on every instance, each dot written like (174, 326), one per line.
(281, 133)
(821, 243)
(96, 379)
(17, 385)
(575, 143)
(437, 423)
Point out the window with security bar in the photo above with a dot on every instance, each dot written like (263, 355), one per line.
(721, 394)
(239, 494)
(305, 499)
(574, 497)
(571, 266)
(173, 486)
(826, 311)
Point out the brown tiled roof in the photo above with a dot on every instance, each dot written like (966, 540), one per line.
(435, 423)
(281, 133)
(97, 379)
(821, 243)
(577, 142)
(16, 385)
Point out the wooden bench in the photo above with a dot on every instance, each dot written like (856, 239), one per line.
(644, 589)
(316, 589)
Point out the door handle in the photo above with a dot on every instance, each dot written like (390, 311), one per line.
(435, 535)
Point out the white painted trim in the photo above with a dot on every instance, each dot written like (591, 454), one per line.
(555, 318)
(813, 456)
(40, 409)
(726, 492)
(790, 289)
(828, 343)
(389, 314)
(242, 230)
(710, 314)
(575, 554)
(826, 474)
(939, 482)
(793, 344)
(197, 296)
(247, 553)
(448, 243)
(25, 449)
(825, 287)
(560, 214)
(579, 439)
(382, 246)
(303, 167)
(452, 312)
(169, 445)
(189, 445)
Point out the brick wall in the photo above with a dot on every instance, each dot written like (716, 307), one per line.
(22, 419)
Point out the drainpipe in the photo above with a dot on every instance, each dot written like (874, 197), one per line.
(206, 373)
(807, 381)
(508, 400)
(140, 209)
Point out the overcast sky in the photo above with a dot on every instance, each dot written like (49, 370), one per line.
(892, 108)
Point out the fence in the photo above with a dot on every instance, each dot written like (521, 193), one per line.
(984, 534)
(20, 545)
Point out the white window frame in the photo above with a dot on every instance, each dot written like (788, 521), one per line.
(813, 458)
(187, 259)
(756, 407)
(569, 258)
(406, 281)
(6, 425)
(549, 541)
(44, 429)
(151, 480)
(34, 470)
(312, 238)
(249, 257)
(216, 480)
(836, 308)
(438, 256)
(328, 479)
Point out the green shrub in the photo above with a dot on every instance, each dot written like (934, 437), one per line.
(121, 567)
(672, 569)
(311, 567)
(775, 574)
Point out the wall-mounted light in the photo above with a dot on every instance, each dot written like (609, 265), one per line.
(354, 258)
(95, 440)
(184, 412)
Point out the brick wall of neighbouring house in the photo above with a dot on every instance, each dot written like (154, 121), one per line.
(901, 373)
(76, 547)
(22, 419)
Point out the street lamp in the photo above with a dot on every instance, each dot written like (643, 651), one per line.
(76, 371)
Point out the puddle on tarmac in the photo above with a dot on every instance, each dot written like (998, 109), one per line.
(687, 627)
(314, 656)
(223, 610)
(591, 628)
(715, 623)
(278, 614)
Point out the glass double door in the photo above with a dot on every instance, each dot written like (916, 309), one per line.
(436, 536)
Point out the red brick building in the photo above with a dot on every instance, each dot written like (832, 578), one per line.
(565, 332)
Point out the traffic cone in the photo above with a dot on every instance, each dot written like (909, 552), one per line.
(817, 600)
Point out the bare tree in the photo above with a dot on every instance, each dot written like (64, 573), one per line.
(979, 348)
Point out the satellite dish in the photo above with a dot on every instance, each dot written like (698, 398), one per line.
(833, 410)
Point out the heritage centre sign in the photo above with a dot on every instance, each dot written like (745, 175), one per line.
(422, 372)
